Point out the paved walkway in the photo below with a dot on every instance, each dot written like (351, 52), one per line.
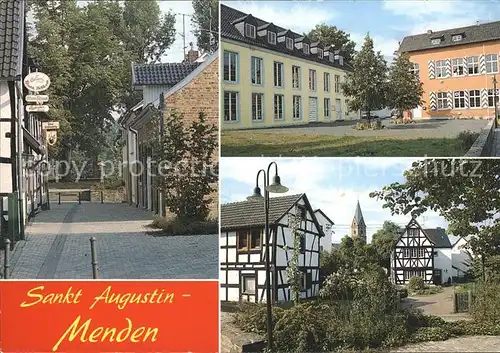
(57, 246)
(461, 344)
(440, 304)
(421, 129)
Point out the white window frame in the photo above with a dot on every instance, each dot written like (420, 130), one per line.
(254, 60)
(236, 117)
(326, 83)
(491, 61)
(233, 61)
(297, 107)
(415, 69)
(414, 253)
(456, 38)
(460, 98)
(244, 284)
(255, 103)
(250, 30)
(421, 253)
(440, 68)
(312, 80)
(327, 108)
(279, 114)
(443, 99)
(406, 253)
(458, 63)
(491, 97)
(271, 37)
(289, 43)
(320, 53)
(306, 48)
(278, 75)
(474, 98)
(473, 63)
(436, 41)
(337, 83)
(296, 82)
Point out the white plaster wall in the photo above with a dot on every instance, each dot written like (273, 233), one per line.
(443, 262)
(460, 257)
(326, 242)
(151, 94)
(5, 113)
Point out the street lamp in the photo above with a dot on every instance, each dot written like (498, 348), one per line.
(275, 187)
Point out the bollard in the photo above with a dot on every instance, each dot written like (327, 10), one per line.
(59, 198)
(79, 198)
(6, 259)
(95, 269)
(102, 196)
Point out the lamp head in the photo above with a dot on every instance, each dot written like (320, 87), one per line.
(257, 195)
(276, 186)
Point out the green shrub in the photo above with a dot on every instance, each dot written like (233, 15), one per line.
(252, 317)
(416, 283)
(486, 304)
(403, 292)
(377, 125)
(173, 226)
(429, 290)
(467, 138)
(472, 328)
(362, 125)
(432, 333)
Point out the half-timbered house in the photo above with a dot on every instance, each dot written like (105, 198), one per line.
(422, 253)
(242, 248)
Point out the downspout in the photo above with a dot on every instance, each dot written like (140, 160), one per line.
(20, 110)
(135, 132)
(13, 144)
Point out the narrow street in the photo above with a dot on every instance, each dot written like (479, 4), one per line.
(57, 246)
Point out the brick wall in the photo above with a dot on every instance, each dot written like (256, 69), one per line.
(201, 94)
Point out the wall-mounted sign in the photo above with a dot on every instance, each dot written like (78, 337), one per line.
(37, 82)
(51, 136)
(37, 108)
(50, 125)
(37, 98)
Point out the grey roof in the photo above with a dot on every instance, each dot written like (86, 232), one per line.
(324, 215)
(11, 38)
(358, 215)
(438, 237)
(230, 16)
(168, 74)
(246, 214)
(471, 34)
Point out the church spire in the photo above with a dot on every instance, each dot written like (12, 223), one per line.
(358, 226)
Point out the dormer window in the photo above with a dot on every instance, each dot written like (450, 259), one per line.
(456, 38)
(289, 43)
(249, 30)
(271, 37)
(436, 41)
(306, 48)
(341, 60)
(320, 53)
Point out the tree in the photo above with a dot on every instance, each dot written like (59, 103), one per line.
(405, 88)
(206, 24)
(384, 241)
(331, 35)
(294, 275)
(366, 86)
(465, 192)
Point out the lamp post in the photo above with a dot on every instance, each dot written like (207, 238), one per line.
(275, 187)
(495, 101)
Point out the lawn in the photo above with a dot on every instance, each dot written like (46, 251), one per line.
(250, 143)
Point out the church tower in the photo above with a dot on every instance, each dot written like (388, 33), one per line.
(358, 226)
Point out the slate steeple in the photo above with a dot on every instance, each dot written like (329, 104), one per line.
(358, 226)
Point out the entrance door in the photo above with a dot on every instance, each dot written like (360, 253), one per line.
(313, 109)
(338, 108)
(417, 113)
(438, 277)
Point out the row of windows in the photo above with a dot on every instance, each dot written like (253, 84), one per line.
(413, 253)
(231, 74)
(251, 32)
(231, 103)
(460, 100)
(413, 273)
(460, 68)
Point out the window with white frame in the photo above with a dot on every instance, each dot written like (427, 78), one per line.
(257, 106)
(327, 107)
(279, 107)
(442, 100)
(271, 37)
(289, 43)
(248, 284)
(278, 74)
(475, 98)
(456, 38)
(306, 48)
(414, 253)
(296, 77)
(436, 41)
(297, 107)
(459, 99)
(320, 53)
(312, 80)
(406, 253)
(491, 63)
(458, 67)
(230, 106)
(473, 65)
(415, 68)
(421, 252)
(337, 83)
(230, 66)
(256, 70)
(491, 98)
(249, 30)
(326, 79)
(440, 68)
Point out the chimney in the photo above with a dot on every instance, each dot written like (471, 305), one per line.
(429, 31)
(192, 55)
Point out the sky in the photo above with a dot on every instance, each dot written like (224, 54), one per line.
(332, 184)
(387, 21)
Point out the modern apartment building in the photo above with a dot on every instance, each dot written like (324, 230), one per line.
(273, 76)
(457, 67)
